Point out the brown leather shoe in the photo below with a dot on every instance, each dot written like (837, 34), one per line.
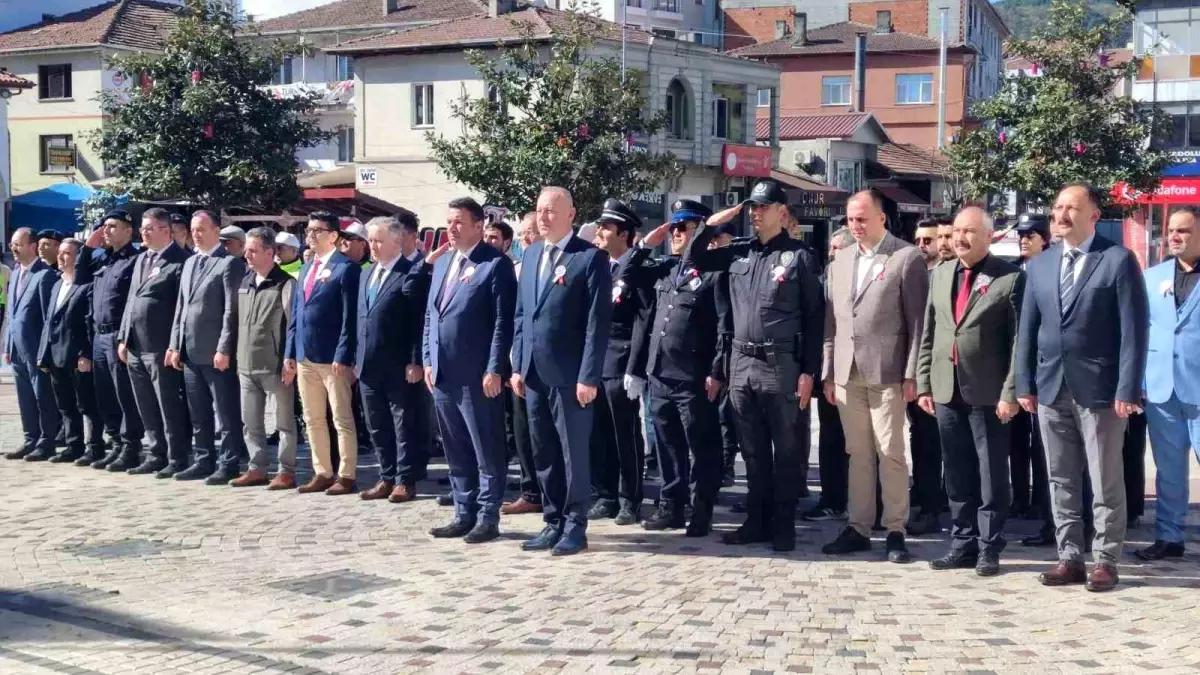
(343, 486)
(1066, 572)
(405, 492)
(381, 491)
(250, 479)
(317, 484)
(520, 506)
(1103, 578)
(283, 481)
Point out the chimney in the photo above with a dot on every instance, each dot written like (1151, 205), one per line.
(499, 7)
(390, 6)
(860, 70)
(801, 37)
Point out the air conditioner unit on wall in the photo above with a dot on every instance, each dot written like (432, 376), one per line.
(731, 198)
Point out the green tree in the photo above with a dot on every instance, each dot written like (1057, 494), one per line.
(93, 208)
(556, 114)
(1066, 123)
(196, 123)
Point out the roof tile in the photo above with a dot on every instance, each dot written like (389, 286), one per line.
(138, 24)
(10, 81)
(839, 38)
(363, 13)
(908, 159)
(808, 127)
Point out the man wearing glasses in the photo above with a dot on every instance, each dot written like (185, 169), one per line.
(322, 360)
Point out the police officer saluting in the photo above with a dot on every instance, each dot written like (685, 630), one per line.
(681, 347)
(778, 317)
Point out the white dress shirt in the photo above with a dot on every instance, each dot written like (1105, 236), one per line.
(864, 261)
(1083, 248)
(559, 246)
(63, 290)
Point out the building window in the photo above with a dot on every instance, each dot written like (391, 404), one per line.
(883, 22)
(58, 154)
(634, 3)
(835, 90)
(345, 145)
(679, 111)
(54, 81)
(720, 118)
(846, 176)
(914, 89)
(764, 98)
(283, 74)
(666, 6)
(422, 105)
(663, 32)
(345, 68)
(781, 29)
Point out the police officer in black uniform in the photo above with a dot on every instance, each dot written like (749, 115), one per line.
(112, 269)
(778, 322)
(686, 366)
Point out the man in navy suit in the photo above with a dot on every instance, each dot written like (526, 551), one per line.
(564, 307)
(66, 355)
(320, 354)
(29, 289)
(468, 335)
(391, 311)
(1081, 352)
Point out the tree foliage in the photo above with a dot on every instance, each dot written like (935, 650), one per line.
(197, 124)
(1066, 122)
(1025, 17)
(556, 114)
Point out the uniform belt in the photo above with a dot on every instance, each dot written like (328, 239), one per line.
(106, 328)
(761, 350)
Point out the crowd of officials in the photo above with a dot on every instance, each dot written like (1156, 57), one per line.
(1026, 387)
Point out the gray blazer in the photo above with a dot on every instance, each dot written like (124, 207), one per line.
(879, 330)
(206, 314)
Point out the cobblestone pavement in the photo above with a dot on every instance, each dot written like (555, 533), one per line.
(105, 573)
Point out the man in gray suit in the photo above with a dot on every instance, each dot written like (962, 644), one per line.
(876, 305)
(1081, 353)
(203, 346)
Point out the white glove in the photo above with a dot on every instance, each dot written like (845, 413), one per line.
(634, 386)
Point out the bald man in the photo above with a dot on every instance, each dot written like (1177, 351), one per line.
(965, 374)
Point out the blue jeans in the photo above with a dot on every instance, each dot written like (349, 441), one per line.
(1174, 426)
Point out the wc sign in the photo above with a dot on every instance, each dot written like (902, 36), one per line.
(368, 176)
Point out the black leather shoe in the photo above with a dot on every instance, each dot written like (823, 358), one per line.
(111, 457)
(1040, 539)
(924, 524)
(988, 565)
(955, 560)
(123, 464)
(20, 453)
(667, 517)
(195, 472)
(90, 458)
(1160, 550)
(482, 532)
(602, 510)
(545, 540)
(784, 540)
(221, 477)
(628, 515)
(849, 541)
(66, 456)
(169, 471)
(701, 523)
(897, 552)
(458, 527)
(570, 544)
(151, 465)
(40, 455)
(746, 535)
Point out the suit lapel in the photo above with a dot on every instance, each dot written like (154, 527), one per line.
(975, 286)
(1090, 262)
(564, 262)
(1188, 306)
(876, 269)
(62, 307)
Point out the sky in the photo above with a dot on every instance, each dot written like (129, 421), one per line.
(17, 13)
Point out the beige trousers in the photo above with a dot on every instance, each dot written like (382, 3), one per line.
(873, 421)
(319, 388)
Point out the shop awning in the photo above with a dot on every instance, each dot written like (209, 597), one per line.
(51, 208)
(906, 202)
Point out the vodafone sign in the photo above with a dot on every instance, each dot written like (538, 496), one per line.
(1169, 191)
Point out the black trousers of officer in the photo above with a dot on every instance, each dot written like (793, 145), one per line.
(617, 458)
(1133, 453)
(689, 453)
(76, 399)
(114, 393)
(729, 437)
(927, 491)
(1027, 463)
(763, 391)
(833, 461)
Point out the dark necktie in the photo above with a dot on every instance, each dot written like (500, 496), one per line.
(376, 281)
(1067, 283)
(453, 273)
(547, 268)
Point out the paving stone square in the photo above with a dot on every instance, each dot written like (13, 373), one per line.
(103, 573)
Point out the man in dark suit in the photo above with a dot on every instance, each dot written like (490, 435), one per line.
(111, 271)
(203, 346)
(530, 500)
(66, 356)
(1080, 360)
(142, 344)
(965, 381)
(391, 314)
(564, 305)
(468, 336)
(616, 458)
(320, 354)
(29, 289)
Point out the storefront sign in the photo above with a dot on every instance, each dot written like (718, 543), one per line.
(368, 176)
(650, 207)
(1170, 191)
(60, 157)
(746, 160)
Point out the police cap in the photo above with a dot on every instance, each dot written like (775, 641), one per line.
(49, 234)
(118, 214)
(767, 192)
(684, 210)
(1034, 222)
(619, 215)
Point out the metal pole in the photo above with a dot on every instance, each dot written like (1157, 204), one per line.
(941, 124)
(623, 12)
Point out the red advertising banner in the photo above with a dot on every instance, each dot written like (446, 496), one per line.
(1169, 191)
(1133, 232)
(746, 160)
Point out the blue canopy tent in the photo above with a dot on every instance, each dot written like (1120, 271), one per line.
(51, 208)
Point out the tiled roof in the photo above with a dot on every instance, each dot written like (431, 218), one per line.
(536, 22)
(1116, 58)
(364, 13)
(10, 81)
(803, 128)
(838, 38)
(908, 159)
(802, 182)
(137, 24)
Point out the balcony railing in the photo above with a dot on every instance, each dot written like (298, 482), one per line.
(332, 94)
